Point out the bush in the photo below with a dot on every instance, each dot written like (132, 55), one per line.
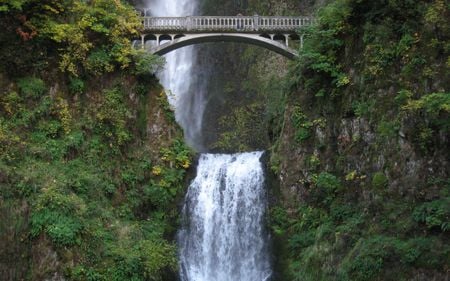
(76, 85)
(301, 124)
(113, 116)
(31, 87)
(367, 258)
(63, 230)
(388, 129)
(328, 182)
(98, 62)
(326, 187)
(434, 214)
(436, 106)
(146, 63)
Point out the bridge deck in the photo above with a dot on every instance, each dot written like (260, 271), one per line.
(241, 24)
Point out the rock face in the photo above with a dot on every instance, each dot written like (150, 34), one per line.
(28, 252)
(361, 152)
(363, 166)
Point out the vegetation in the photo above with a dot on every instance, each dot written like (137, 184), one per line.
(92, 187)
(358, 132)
(83, 37)
(378, 73)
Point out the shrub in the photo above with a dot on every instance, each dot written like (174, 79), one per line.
(63, 230)
(301, 124)
(279, 221)
(326, 187)
(146, 63)
(434, 214)
(403, 97)
(113, 115)
(99, 61)
(31, 87)
(366, 261)
(76, 85)
(328, 182)
(388, 129)
(436, 106)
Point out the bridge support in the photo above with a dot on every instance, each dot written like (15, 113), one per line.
(273, 33)
(175, 42)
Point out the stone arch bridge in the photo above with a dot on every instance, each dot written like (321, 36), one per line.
(273, 33)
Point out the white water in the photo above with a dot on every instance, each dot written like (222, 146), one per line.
(223, 238)
(186, 94)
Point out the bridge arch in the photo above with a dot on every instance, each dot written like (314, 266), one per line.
(263, 40)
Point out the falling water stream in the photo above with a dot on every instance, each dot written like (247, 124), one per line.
(186, 92)
(223, 236)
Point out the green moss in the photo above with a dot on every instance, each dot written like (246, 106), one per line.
(379, 181)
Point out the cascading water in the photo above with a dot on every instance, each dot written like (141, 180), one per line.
(223, 238)
(187, 93)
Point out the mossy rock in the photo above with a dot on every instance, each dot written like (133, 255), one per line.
(379, 181)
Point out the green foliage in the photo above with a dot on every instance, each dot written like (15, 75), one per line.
(279, 221)
(76, 85)
(436, 106)
(363, 109)
(328, 182)
(313, 162)
(320, 52)
(379, 181)
(368, 258)
(113, 115)
(383, 67)
(146, 63)
(31, 87)
(83, 36)
(86, 193)
(388, 129)
(434, 214)
(54, 215)
(240, 128)
(161, 256)
(99, 61)
(165, 105)
(403, 97)
(301, 124)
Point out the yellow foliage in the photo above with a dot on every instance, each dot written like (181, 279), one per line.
(157, 170)
(94, 25)
(186, 164)
(350, 176)
(64, 114)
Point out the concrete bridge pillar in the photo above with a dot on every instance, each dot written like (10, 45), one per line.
(188, 23)
(143, 41)
(256, 22)
(286, 36)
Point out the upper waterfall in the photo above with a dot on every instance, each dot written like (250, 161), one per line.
(186, 92)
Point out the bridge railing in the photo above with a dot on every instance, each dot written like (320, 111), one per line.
(226, 24)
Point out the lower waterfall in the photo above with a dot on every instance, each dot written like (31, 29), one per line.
(223, 237)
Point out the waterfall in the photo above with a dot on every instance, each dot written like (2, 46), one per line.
(186, 92)
(223, 237)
